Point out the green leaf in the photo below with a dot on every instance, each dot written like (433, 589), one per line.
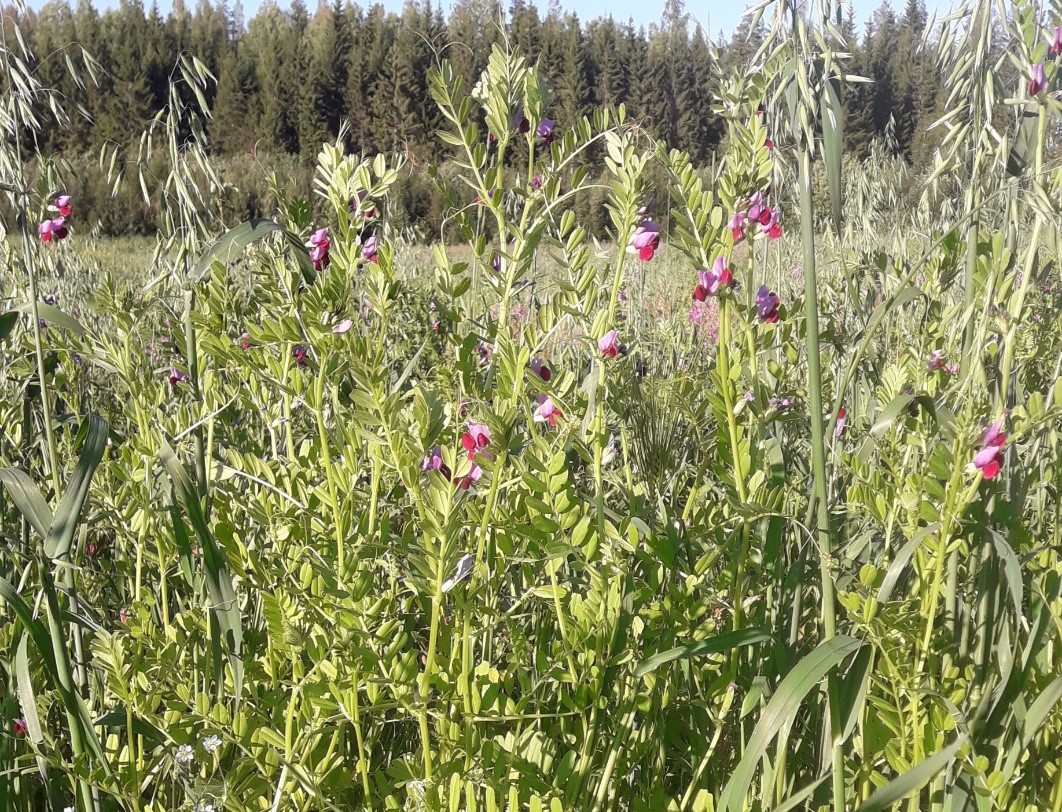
(832, 137)
(903, 558)
(8, 321)
(64, 523)
(117, 718)
(797, 801)
(27, 697)
(28, 499)
(235, 240)
(912, 780)
(224, 605)
(713, 645)
(797, 684)
(54, 316)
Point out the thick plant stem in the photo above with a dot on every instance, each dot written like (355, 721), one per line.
(818, 460)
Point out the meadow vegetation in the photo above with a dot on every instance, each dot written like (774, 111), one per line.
(754, 505)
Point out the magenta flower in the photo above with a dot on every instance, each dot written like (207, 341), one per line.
(319, 246)
(476, 439)
(773, 227)
(715, 281)
(369, 250)
(433, 461)
(737, 226)
(1056, 42)
(299, 353)
(536, 182)
(767, 303)
(471, 478)
(19, 727)
(547, 412)
(546, 131)
(343, 327)
(842, 423)
(176, 376)
(756, 207)
(1037, 80)
(782, 405)
(496, 262)
(645, 240)
(540, 369)
(54, 229)
(608, 345)
(245, 341)
(62, 205)
(986, 460)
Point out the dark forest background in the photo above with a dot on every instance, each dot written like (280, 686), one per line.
(288, 79)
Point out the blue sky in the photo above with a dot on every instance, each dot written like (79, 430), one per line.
(713, 15)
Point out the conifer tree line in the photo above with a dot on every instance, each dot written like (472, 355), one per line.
(289, 79)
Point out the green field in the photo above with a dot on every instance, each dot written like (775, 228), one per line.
(754, 505)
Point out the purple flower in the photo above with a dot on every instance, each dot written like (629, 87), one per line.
(520, 123)
(737, 226)
(299, 353)
(767, 305)
(319, 246)
(715, 281)
(536, 182)
(986, 460)
(540, 369)
(362, 206)
(545, 131)
(608, 344)
(54, 229)
(1056, 42)
(343, 327)
(1037, 80)
(369, 250)
(176, 376)
(496, 262)
(433, 461)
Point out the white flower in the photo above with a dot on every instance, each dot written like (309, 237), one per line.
(205, 806)
(185, 754)
(69, 809)
(211, 744)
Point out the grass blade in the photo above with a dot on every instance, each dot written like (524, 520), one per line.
(713, 645)
(912, 780)
(64, 523)
(797, 684)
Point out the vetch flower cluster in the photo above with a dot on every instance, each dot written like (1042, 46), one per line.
(756, 214)
(54, 229)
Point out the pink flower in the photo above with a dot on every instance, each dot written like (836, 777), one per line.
(715, 281)
(299, 353)
(471, 478)
(1037, 80)
(608, 345)
(547, 412)
(767, 305)
(343, 327)
(1056, 42)
(773, 227)
(737, 226)
(319, 246)
(476, 439)
(769, 144)
(369, 250)
(540, 369)
(755, 209)
(986, 460)
(176, 376)
(54, 229)
(19, 727)
(842, 423)
(245, 341)
(645, 241)
(62, 205)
